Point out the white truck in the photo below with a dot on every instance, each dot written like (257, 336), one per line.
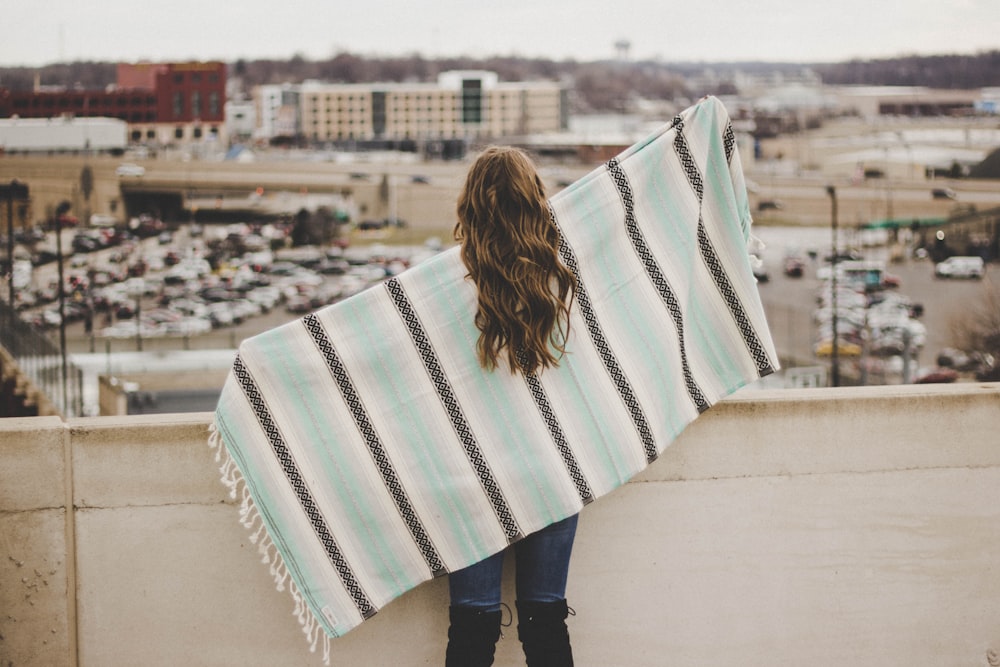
(960, 267)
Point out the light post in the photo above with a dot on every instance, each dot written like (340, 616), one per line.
(19, 191)
(9, 191)
(136, 287)
(834, 349)
(62, 308)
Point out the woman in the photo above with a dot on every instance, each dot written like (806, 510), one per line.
(510, 248)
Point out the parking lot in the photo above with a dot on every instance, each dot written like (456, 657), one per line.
(934, 307)
(209, 287)
(196, 286)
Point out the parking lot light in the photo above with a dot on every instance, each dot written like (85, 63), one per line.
(834, 352)
(135, 287)
(14, 190)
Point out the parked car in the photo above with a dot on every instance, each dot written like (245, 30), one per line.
(844, 349)
(960, 267)
(83, 242)
(891, 281)
(794, 267)
(943, 193)
(761, 274)
(130, 170)
(938, 376)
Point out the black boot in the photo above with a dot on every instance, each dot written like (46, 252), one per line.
(542, 630)
(472, 637)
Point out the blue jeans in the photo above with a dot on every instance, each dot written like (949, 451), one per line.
(542, 568)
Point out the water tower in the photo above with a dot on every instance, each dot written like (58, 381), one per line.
(622, 47)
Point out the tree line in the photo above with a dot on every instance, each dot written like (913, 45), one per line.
(944, 71)
(597, 86)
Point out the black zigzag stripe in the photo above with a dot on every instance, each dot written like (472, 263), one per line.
(451, 405)
(302, 492)
(375, 445)
(711, 258)
(611, 365)
(687, 161)
(750, 337)
(655, 274)
(729, 141)
(558, 437)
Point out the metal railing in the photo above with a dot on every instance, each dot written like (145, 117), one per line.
(42, 363)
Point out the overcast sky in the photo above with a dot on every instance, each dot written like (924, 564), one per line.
(670, 30)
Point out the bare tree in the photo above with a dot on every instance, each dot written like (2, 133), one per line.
(978, 330)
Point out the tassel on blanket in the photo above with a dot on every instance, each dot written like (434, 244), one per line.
(270, 556)
(755, 250)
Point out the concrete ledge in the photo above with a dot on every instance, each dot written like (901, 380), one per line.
(813, 431)
(819, 527)
(35, 623)
(157, 451)
(33, 470)
(35, 557)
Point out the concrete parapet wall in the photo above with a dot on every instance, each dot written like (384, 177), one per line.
(811, 527)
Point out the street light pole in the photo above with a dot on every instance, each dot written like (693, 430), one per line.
(10, 248)
(834, 350)
(18, 190)
(138, 320)
(135, 287)
(62, 311)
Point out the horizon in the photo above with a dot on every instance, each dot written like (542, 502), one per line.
(438, 58)
(716, 31)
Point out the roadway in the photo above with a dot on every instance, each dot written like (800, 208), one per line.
(805, 201)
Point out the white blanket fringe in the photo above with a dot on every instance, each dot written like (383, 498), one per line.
(249, 517)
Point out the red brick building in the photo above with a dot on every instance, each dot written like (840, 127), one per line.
(163, 103)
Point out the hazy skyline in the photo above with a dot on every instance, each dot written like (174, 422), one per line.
(712, 30)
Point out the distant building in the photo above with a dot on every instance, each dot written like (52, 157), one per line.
(163, 103)
(241, 119)
(990, 102)
(277, 111)
(62, 135)
(461, 105)
(870, 101)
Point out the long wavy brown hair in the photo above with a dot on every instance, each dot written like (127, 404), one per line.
(510, 246)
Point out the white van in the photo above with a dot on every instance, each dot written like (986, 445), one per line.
(960, 267)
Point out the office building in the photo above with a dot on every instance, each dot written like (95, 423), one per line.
(460, 105)
(163, 103)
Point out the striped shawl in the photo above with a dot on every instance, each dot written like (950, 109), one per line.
(373, 453)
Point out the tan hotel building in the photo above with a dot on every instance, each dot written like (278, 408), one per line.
(460, 105)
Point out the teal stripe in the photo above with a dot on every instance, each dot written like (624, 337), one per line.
(586, 213)
(278, 518)
(670, 233)
(609, 288)
(702, 327)
(626, 310)
(496, 388)
(588, 417)
(345, 472)
(730, 242)
(591, 417)
(715, 351)
(601, 429)
(354, 324)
